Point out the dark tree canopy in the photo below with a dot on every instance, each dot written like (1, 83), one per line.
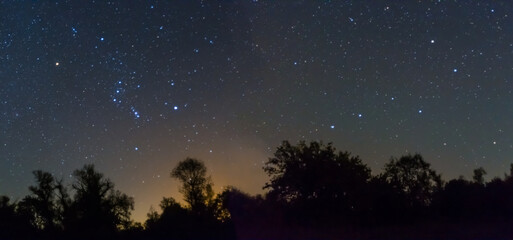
(42, 204)
(97, 205)
(202, 219)
(316, 175)
(460, 199)
(173, 214)
(315, 192)
(196, 185)
(13, 223)
(479, 175)
(414, 177)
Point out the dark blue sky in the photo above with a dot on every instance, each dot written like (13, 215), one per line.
(136, 86)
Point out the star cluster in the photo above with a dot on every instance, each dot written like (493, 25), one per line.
(136, 86)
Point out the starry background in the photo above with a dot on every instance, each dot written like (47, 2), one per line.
(136, 86)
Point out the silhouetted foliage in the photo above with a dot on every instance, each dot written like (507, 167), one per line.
(43, 203)
(174, 222)
(252, 216)
(97, 208)
(314, 192)
(204, 218)
(13, 224)
(316, 181)
(413, 177)
(196, 185)
(479, 175)
(460, 199)
(387, 204)
(498, 199)
(244, 208)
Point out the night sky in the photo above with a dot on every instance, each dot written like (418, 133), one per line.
(136, 86)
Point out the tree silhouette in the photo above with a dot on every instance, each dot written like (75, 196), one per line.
(317, 179)
(98, 208)
(42, 205)
(14, 224)
(479, 175)
(460, 199)
(174, 222)
(315, 192)
(412, 176)
(203, 219)
(196, 186)
(251, 216)
(387, 204)
(497, 199)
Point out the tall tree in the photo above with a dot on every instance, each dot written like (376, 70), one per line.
(414, 177)
(479, 175)
(42, 204)
(196, 185)
(97, 206)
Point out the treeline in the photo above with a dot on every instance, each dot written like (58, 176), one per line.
(314, 191)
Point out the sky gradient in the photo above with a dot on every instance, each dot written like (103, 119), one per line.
(136, 86)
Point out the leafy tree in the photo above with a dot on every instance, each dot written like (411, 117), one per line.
(241, 207)
(14, 224)
(173, 214)
(196, 185)
(218, 209)
(497, 199)
(479, 175)
(460, 199)
(97, 206)
(387, 203)
(42, 204)
(203, 213)
(177, 222)
(413, 177)
(317, 179)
